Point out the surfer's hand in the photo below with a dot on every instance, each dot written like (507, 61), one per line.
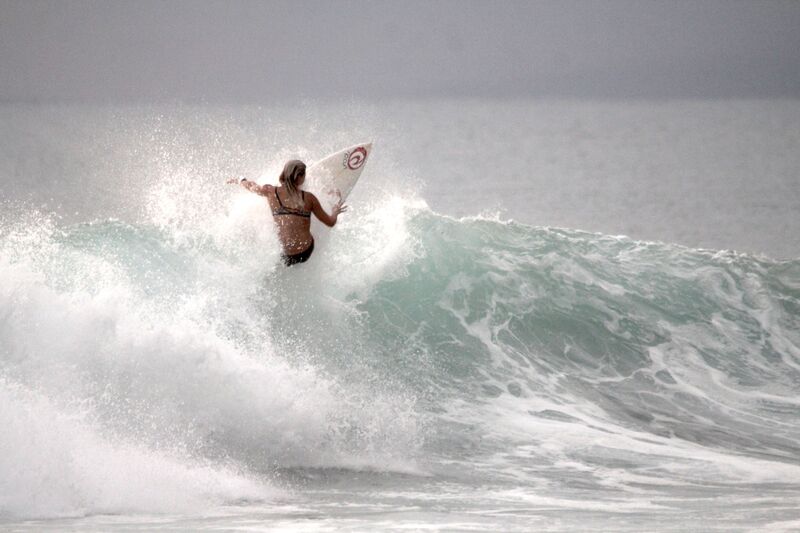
(339, 208)
(232, 181)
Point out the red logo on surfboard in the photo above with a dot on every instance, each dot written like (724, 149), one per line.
(356, 159)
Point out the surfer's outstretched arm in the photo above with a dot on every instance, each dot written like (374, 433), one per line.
(252, 186)
(325, 218)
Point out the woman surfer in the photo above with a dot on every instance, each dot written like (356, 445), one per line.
(292, 209)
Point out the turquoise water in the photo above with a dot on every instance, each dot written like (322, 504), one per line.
(161, 370)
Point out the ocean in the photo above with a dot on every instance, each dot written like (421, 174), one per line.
(535, 316)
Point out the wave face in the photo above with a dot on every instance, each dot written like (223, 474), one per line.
(175, 361)
(544, 335)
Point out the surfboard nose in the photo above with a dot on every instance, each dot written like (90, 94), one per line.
(340, 171)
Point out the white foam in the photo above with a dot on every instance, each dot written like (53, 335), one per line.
(53, 463)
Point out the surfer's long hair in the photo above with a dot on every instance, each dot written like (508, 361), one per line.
(292, 171)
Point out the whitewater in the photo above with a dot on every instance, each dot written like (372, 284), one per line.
(427, 369)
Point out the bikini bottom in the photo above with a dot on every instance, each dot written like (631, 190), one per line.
(301, 257)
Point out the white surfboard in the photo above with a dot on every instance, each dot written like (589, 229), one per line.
(333, 177)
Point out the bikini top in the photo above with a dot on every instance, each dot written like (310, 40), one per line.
(284, 210)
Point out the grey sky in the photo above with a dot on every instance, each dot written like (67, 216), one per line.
(254, 52)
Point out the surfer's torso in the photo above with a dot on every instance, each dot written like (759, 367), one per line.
(292, 219)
